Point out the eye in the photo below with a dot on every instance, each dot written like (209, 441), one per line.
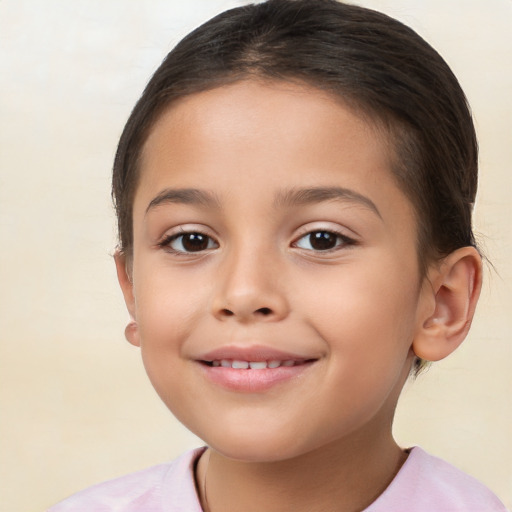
(322, 240)
(189, 242)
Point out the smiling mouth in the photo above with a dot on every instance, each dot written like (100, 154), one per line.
(253, 370)
(238, 364)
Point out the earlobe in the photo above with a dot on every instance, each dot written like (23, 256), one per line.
(452, 295)
(131, 331)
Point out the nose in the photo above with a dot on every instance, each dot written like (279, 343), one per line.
(251, 289)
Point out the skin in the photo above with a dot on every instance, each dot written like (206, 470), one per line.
(321, 440)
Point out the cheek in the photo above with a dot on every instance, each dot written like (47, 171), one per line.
(168, 307)
(367, 311)
(166, 300)
(367, 326)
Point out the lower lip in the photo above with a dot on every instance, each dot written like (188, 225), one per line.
(253, 381)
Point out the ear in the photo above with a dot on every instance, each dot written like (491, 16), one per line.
(125, 281)
(450, 294)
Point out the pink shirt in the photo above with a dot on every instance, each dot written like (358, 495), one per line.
(423, 484)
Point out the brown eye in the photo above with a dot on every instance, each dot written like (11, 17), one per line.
(322, 241)
(191, 242)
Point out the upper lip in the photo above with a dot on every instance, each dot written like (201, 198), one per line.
(251, 353)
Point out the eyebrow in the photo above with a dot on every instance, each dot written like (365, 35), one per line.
(292, 197)
(192, 196)
(304, 196)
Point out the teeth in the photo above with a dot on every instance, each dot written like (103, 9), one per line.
(253, 365)
(258, 365)
(240, 365)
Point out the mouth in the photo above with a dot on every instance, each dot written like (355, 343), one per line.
(240, 364)
(253, 369)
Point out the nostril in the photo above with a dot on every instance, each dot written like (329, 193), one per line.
(264, 311)
(245, 314)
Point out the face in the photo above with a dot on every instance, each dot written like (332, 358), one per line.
(274, 279)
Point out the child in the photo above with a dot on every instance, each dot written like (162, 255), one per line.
(294, 193)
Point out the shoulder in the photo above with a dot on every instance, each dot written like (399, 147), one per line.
(426, 483)
(167, 487)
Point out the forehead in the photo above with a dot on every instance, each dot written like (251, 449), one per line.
(235, 137)
(281, 116)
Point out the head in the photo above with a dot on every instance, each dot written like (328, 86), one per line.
(374, 64)
(389, 85)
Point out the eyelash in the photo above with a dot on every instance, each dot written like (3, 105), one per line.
(166, 242)
(341, 241)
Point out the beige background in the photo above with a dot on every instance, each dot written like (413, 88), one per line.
(76, 405)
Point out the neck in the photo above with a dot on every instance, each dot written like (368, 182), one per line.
(344, 476)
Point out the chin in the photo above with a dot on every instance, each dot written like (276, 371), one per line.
(245, 451)
(251, 445)
(263, 445)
